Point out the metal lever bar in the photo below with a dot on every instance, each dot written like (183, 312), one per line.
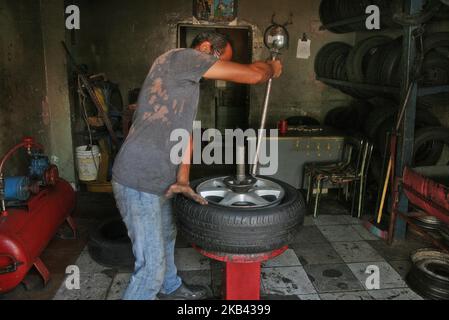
(263, 122)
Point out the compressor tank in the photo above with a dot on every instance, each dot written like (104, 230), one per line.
(26, 232)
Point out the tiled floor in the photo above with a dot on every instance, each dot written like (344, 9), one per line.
(327, 261)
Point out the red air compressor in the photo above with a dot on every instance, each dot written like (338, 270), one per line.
(32, 210)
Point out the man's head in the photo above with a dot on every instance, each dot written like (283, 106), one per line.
(213, 43)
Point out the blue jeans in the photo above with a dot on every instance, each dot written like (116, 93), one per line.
(151, 227)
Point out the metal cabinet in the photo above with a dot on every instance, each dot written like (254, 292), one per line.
(298, 148)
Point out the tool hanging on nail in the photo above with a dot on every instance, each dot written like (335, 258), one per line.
(276, 38)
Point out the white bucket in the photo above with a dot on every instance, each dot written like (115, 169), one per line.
(88, 162)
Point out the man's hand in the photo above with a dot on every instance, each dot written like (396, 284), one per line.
(187, 191)
(276, 65)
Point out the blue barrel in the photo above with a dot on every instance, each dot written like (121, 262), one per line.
(17, 189)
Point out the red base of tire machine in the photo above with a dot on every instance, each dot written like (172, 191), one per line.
(241, 278)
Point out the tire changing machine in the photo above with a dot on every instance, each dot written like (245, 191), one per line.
(241, 278)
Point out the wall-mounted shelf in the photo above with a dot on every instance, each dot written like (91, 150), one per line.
(422, 92)
(405, 146)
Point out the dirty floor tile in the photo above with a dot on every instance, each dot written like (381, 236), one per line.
(343, 233)
(287, 281)
(310, 234)
(400, 250)
(87, 265)
(402, 267)
(389, 278)
(359, 251)
(332, 278)
(309, 221)
(355, 295)
(395, 294)
(92, 287)
(365, 234)
(119, 285)
(287, 259)
(200, 278)
(321, 253)
(311, 297)
(189, 259)
(331, 220)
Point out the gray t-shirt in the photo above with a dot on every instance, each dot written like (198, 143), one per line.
(168, 101)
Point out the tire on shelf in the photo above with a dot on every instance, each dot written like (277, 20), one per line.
(323, 56)
(430, 146)
(435, 71)
(378, 115)
(241, 231)
(391, 64)
(373, 68)
(435, 40)
(360, 55)
(350, 119)
(437, 137)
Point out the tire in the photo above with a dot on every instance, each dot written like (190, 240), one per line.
(378, 116)
(390, 68)
(437, 136)
(360, 55)
(435, 40)
(373, 67)
(323, 56)
(349, 119)
(429, 275)
(241, 231)
(435, 70)
(110, 246)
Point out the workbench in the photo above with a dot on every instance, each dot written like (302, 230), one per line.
(299, 147)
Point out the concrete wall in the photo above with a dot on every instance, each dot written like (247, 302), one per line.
(22, 80)
(33, 81)
(122, 38)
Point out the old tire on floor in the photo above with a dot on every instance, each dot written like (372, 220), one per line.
(241, 230)
(429, 276)
(110, 246)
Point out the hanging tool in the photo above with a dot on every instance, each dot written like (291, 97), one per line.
(91, 91)
(276, 38)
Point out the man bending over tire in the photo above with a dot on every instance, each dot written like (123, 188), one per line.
(144, 178)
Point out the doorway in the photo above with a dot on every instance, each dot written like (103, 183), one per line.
(223, 105)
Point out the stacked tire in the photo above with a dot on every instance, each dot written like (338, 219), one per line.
(377, 60)
(376, 119)
(349, 119)
(332, 12)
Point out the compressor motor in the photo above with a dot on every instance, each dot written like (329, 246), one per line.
(40, 174)
(33, 207)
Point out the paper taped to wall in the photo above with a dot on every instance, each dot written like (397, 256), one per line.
(303, 51)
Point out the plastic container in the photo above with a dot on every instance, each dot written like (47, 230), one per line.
(88, 162)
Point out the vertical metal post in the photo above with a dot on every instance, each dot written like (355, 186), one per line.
(407, 137)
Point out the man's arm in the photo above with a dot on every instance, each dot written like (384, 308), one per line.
(184, 168)
(182, 184)
(255, 73)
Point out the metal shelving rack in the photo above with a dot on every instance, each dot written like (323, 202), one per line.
(406, 140)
